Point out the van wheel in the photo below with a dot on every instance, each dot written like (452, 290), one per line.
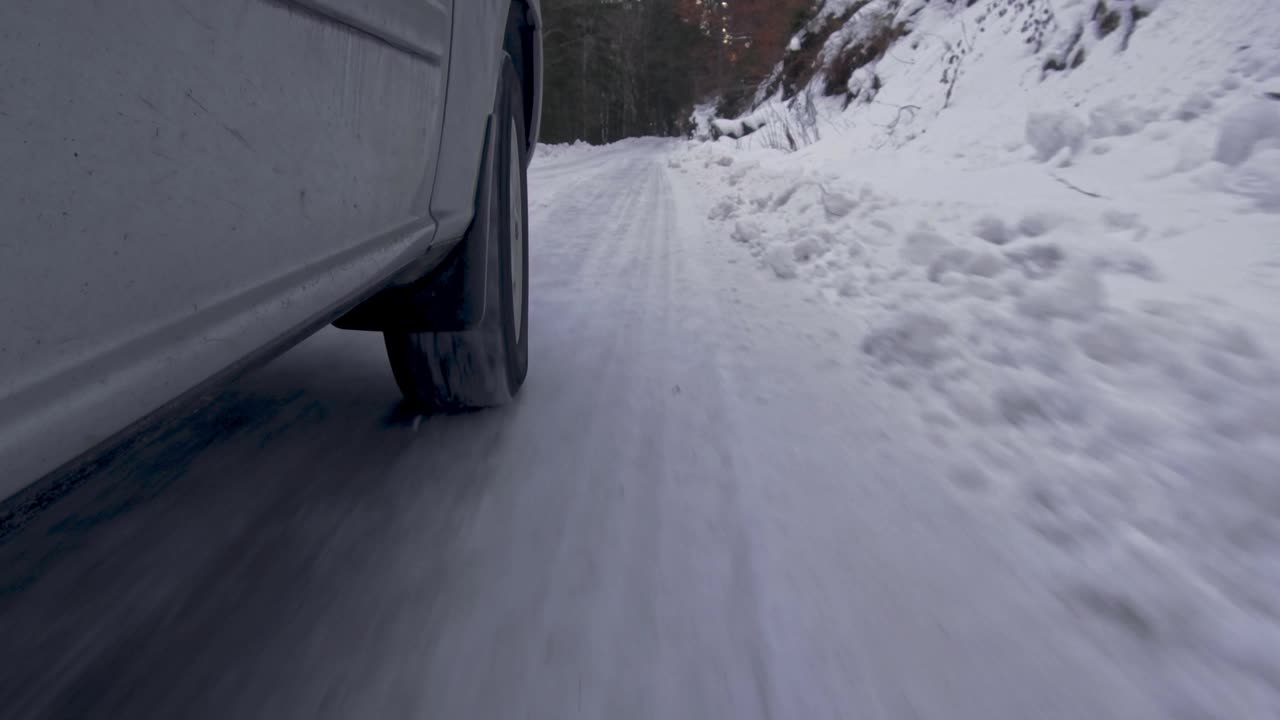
(487, 365)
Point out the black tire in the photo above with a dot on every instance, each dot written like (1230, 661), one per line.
(486, 366)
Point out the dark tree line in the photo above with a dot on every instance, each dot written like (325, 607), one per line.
(617, 68)
(623, 68)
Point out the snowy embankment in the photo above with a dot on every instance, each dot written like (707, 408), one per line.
(1073, 276)
(548, 152)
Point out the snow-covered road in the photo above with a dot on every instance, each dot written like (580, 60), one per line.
(694, 510)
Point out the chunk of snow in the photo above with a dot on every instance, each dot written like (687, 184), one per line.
(837, 204)
(726, 209)
(1048, 133)
(1195, 106)
(986, 264)
(1246, 127)
(1076, 294)
(746, 232)
(732, 128)
(950, 261)
(781, 259)
(1257, 178)
(740, 172)
(911, 338)
(738, 128)
(1037, 261)
(968, 262)
(1117, 118)
(992, 229)
(864, 84)
(1037, 224)
(807, 246)
(921, 247)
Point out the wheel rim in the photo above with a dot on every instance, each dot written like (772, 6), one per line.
(517, 233)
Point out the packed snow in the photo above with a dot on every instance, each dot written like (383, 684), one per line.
(1072, 275)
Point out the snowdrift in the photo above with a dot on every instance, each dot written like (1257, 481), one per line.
(1059, 224)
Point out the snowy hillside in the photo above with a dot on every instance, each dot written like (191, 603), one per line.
(1059, 224)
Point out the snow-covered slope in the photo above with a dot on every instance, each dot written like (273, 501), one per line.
(1071, 269)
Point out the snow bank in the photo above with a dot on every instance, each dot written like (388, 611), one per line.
(1073, 274)
(557, 151)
